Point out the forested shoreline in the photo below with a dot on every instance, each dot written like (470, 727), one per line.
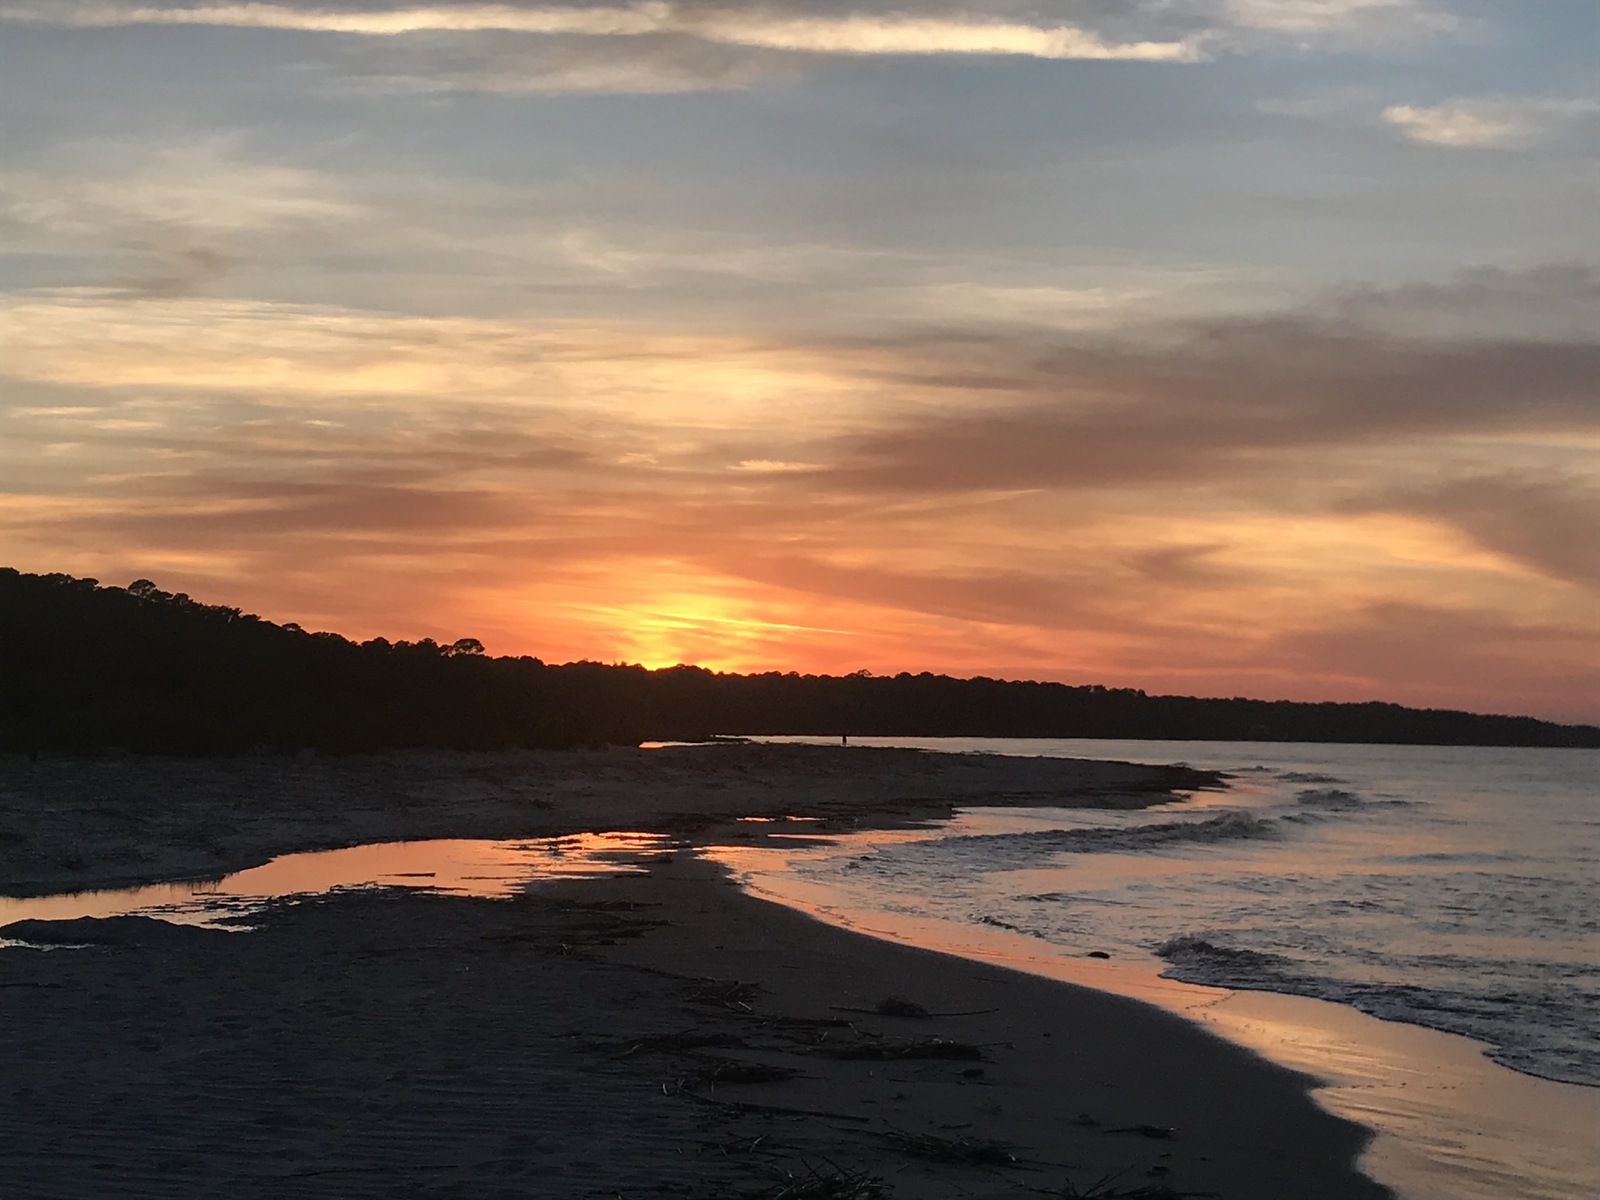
(86, 668)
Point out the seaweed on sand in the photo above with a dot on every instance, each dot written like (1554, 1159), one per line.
(729, 994)
(827, 1184)
(1107, 1188)
(672, 1043)
(899, 1006)
(982, 1151)
(896, 1049)
(737, 1070)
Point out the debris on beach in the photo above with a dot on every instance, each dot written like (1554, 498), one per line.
(737, 1070)
(899, 1006)
(691, 1039)
(895, 1049)
(1106, 1188)
(979, 1151)
(825, 1184)
(1149, 1131)
(729, 994)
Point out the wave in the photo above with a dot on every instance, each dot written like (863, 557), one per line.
(998, 923)
(981, 853)
(1307, 777)
(1525, 1029)
(1200, 961)
(1466, 858)
(1331, 798)
(1228, 827)
(1338, 800)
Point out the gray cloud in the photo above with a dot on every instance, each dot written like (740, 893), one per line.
(168, 264)
(1226, 396)
(1495, 122)
(1556, 302)
(521, 64)
(1552, 525)
(1184, 566)
(168, 220)
(800, 28)
(626, 47)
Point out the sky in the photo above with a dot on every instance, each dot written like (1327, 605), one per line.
(1219, 347)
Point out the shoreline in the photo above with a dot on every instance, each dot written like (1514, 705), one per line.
(1447, 1120)
(1081, 1087)
(714, 798)
(371, 1040)
(88, 824)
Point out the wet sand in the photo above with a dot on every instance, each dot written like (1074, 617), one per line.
(610, 1038)
(1450, 1123)
(72, 824)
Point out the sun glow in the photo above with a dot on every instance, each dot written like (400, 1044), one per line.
(718, 632)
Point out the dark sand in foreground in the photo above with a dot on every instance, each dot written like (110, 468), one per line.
(608, 1038)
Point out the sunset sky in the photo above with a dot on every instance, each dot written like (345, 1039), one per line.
(1224, 347)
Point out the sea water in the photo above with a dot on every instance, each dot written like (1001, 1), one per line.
(453, 866)
(1456, 888)
(1453, 892)
(1444, 889)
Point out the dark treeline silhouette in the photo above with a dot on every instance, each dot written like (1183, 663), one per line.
(85, 668)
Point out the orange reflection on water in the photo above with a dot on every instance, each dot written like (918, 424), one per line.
(460, 866)
(1450, 1123)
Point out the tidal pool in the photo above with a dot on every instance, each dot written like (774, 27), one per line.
(458, 866)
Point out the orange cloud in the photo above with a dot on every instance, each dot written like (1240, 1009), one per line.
(1242, 507)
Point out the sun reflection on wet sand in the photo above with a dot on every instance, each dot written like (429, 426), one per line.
(460, 866)
(1450, 1124)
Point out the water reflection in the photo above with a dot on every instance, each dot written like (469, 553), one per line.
(1450, 1124)
(459, 866)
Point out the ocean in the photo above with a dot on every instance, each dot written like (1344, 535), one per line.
(1449, 893)
(1456, 888)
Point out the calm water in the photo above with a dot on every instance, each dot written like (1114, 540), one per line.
(459, 866)
(1455, 888)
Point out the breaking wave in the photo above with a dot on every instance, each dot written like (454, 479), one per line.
(1228, 827)
(1329, 798)
(1196, 960)
(1002, 851)
(1448, 889)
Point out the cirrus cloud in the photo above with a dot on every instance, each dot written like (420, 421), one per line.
(803, 32)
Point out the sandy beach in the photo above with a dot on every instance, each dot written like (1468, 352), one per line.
(659, 1033)
(68, 824)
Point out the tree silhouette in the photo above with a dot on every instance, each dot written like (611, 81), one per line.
(86, 668)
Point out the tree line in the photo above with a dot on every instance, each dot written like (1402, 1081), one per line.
(86, 668)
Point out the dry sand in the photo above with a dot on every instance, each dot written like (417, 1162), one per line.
(600, 1038)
